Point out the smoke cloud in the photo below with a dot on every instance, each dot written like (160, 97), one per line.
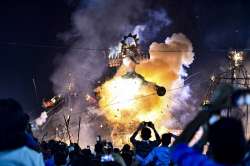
(127, 102)
(96, 26)
(41, 119)
(167, 68)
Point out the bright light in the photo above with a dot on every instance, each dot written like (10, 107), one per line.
(212, 78)
(248, 100)
(123, 92)
(240, 101)
(237, 57)
(126, 102)
(127, 99)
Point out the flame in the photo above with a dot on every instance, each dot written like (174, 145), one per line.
(126, 102)
(123, 97)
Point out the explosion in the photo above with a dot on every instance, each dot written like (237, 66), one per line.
(122, 102)
(127, 101)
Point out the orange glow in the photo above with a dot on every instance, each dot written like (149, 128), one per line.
(126, 102)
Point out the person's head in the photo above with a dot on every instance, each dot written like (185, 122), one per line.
(227, 141)
(76, 147)
(117, 150)
(126, 148)
(166, 139)
(52, 146)
(13, 122)
(109, 147)
(86, 152)
(145, 133)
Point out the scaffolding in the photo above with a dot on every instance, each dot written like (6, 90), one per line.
(236, 74)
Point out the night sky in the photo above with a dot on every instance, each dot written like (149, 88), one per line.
(29, 40)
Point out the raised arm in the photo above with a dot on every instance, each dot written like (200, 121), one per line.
(157, 136)
(132, 138)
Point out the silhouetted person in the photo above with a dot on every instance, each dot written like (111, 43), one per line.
(144, 146)
(127, 154)
(111, 157)
(13, 149)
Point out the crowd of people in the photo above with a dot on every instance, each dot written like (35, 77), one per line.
(223, 142)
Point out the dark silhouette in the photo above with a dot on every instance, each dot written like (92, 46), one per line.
(127, 154)
(144, 146)
(13, 122)
(225, 135)
(227, 141)
(14, 140)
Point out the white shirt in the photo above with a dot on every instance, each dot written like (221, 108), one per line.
(22, 156)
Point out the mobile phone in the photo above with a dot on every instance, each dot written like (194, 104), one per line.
(107, 158)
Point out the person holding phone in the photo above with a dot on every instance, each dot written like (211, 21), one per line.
(144, 146)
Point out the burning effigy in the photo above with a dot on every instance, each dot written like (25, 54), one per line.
(146, 87)
(139, 90)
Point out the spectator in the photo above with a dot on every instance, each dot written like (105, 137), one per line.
(13, 149)
(47, 154)
(127, 154)
(111, 157)
(227, 144)
(145, 146)
(159, 155)
(117, 150)
(99, 147)
(117, 157)
(226, 136)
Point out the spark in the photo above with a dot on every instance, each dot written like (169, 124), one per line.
(237, 57)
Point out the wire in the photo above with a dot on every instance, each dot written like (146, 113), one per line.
(192, 75)
(49, 46)
(34, 45)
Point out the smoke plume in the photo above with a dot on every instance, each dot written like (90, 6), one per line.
(167, 68)
(41, 119)
(127, 102)
(96, 26)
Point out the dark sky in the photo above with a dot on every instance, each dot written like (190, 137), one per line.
(24, 23)
(212, 26)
